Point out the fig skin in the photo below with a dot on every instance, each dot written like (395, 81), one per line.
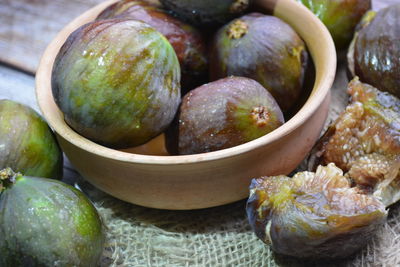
(364, 141)
(187, 41)
(376, 51)
(44, 222)
(117, 82)
(313, 215)
(28, 145)
(263, 48)
(339, 16)
(207, 12)
(223, 114)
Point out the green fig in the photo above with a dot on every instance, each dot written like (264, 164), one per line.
(364, 141)
(188, 43)
(44, 222)
(339, 16)
(117, 82)
(313, 215)
(263, 48)
(223, 114)
(27, 144)
(374, 55)
(207, 12)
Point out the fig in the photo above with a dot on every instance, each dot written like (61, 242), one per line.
(44, 222)
(340, 17)
(27, 144)
(364, 141)
(375, 50)
(313, 215)
(207, 12)
(263, 48)
(187, 41)
(223, 114)
(117, 82)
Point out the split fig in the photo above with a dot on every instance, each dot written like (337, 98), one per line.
(313, 215)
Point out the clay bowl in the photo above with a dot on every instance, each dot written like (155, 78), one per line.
(148, 176)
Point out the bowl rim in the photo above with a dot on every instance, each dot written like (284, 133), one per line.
(321, 88)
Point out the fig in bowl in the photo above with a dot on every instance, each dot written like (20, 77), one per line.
(204, 179)
(117, 82)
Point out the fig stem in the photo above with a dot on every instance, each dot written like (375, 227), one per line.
(7, 178)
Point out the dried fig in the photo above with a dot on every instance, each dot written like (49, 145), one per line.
(313, 215)
(364, 141)
(263, 48)
(222, 114)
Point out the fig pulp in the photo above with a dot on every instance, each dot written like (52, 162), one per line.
(44, 222)
(117, 82)
(187, 42)
(313, 215)
(340, 17)
(263, 48)
(364, 141)
(222, 114)
(27, 144)
(375, 54)
(207, 12)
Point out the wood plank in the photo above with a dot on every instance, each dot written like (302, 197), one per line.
(27, 26)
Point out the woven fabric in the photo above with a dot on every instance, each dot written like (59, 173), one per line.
(220, 236)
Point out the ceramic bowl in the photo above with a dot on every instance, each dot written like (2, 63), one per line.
(148, 176)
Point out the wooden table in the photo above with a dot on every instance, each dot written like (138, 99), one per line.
(27, 26)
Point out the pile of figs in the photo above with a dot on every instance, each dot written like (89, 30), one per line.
(332, 209)
(209, 78)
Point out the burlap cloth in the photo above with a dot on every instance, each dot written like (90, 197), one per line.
(220, 236)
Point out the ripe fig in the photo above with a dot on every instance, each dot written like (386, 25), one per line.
(375, 52)
(207, 12)
(187, 42)
(44, 222)
(263, 48)
(340, 17)
(223, 114)
(27, 144)
(313, 215)
(117, 82)
(364, 141)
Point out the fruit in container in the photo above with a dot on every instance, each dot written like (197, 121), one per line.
(364, 142)
(223, 114)
(117, 82)
(188, 43)
(374, 55)
(340, 17)
(263, 48)
(44, 222)
(207, 12)
(313, 215)
(27, 144)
